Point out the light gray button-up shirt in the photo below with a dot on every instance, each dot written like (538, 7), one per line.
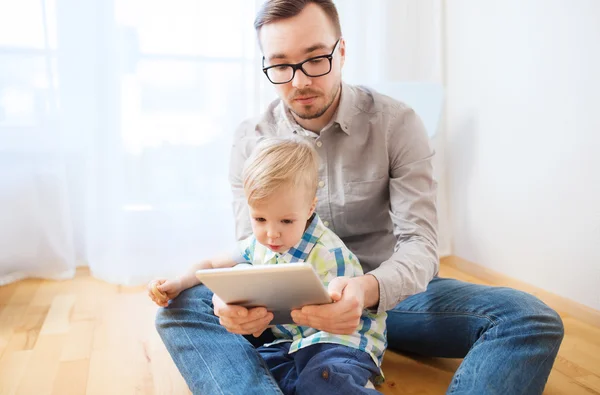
(376, 187)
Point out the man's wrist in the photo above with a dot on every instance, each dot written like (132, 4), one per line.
(370, 286)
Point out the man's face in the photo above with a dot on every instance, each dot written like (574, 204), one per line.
(294, 40)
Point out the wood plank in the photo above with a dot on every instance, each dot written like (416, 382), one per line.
(26, 330)
(561, 384)
(405, 375)
(6, 292)
(58, 318)
(43, 366)
(72, 377)
(24, 292)
(79, 342)
(114, 372)
(10, 317)
(12, 369)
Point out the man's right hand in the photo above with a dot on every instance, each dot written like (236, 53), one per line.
(240, 320)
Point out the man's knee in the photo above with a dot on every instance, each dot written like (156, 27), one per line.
(195, 301)
(532, 314)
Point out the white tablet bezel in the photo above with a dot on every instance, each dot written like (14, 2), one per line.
(279, 288)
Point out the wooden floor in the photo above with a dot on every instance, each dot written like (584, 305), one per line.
(84, 336)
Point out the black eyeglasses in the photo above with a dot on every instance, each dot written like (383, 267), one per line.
(313, 67)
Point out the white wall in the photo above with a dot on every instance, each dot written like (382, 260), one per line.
(523, 140)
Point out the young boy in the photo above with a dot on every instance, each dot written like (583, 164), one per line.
(280, 183)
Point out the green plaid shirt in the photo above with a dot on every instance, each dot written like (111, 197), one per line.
(324, 250)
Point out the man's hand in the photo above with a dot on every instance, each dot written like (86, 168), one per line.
(351, 295)
(240, 320)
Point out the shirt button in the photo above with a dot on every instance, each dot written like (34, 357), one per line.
(326, 223)
(321, 184)
(319, 144)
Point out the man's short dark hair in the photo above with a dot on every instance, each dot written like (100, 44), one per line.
(275, 10)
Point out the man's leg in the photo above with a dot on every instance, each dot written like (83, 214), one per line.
(508, 338)
(211, 360)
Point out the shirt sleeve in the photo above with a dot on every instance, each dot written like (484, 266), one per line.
(244, 253)
(414, 214)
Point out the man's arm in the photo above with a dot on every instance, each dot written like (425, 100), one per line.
(414, 214)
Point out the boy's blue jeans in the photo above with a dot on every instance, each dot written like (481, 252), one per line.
(320, 369)
(508, 339)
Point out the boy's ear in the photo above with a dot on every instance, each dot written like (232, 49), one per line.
(313, 206)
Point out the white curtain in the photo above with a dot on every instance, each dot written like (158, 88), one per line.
(116, 119)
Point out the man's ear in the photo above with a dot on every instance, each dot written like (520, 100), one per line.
(342, 52)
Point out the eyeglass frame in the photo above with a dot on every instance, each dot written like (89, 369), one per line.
(298, 66)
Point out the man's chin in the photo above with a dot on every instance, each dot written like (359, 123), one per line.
(303, 112)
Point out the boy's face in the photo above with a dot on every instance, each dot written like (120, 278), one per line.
(279, 221)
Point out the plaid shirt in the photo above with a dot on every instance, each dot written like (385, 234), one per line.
(330, 258)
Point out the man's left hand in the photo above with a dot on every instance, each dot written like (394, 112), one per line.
(341, 317)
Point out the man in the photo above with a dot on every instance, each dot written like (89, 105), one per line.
(378, 194)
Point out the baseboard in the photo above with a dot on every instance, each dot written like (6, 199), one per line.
(564, 306)
(444, 253)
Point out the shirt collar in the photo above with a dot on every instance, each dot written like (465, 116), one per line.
(343, 115)
(346, 109)
(302, 249)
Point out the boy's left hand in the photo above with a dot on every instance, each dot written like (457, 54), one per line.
(161, 291)
(341, 317)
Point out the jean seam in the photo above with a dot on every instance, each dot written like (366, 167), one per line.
(265, 368)
(492, 319)
(200, 355)
(454, 384)
(542, 363)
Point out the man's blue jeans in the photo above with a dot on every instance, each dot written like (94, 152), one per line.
(508, 339)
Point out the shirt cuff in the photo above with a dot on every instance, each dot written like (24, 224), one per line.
(390, 284)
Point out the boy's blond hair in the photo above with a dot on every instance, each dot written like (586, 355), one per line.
(281, 162)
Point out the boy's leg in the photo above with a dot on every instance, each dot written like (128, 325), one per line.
(509, 339)
(282, 366)
(211, 360)
(333, 369)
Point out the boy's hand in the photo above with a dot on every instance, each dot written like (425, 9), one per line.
(240, 320)
(341, 317)
(162, 290)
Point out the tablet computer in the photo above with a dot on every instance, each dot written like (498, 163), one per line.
(279, 288)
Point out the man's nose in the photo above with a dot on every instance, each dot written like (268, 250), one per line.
(300, 80)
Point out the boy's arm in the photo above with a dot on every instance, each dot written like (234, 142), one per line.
(161, 291)
(189, 279)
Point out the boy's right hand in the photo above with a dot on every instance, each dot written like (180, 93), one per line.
(163, 290)
(240, 320)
